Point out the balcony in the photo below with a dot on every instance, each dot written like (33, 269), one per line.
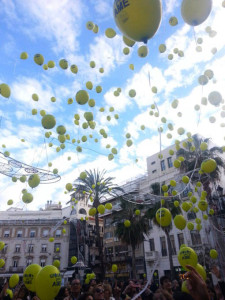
(151, 255)
(16, 269)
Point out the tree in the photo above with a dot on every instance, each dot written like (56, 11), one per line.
(96, 188)
(151, 214)
(132, 235)
(194, 156)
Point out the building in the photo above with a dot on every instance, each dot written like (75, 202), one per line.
(26, 236)
(114, 250)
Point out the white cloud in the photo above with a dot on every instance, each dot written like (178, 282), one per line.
(119, 103)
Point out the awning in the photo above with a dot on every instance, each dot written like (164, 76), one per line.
(109, 275)
(68, 274)
(2, 275)
(123, 275)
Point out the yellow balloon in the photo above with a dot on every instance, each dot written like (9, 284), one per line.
(74, 69)
(27, 198)
(2, 262)
(138, 20)
(2, 245)
(56, 263)
(14, 280)
(29, 276)
(114, 268)
(82, 97)
(34, 180)
(48, 283)
(35, 97)
(51, 64)
(195, 12)
(201, 271)
(143, 51)
(63, 63)
(127, 223)
(187, 256)
(128, 42)
(213, 254)
(110, 33)
(208, 165)
(9, 293)
(5, 90)
(163, 217)
(23, 55)
(180, 222)
(48, 121)
(39, 59)
(73, 260)
(101, 209)
(162, 48)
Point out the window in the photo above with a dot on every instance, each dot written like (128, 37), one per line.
(82, 211)
(154, 171)
(108, 222)
(153, 162)
(109, 251)
(163, 245)
(15, 263)
(4, 250)
(6, 233)
(57, 247)
(163, 167)
(150, 224)
(180, 238)
(29, 261)
(43, 262)
(30, 248)
(195, 237)
(58, 233)
(19, 233)
(17, 248)
(173, 246)
(169, 162)
(45, 232)
(32, 233)
(43, 248)
(108, 235)
(191, 215)
(152, 245)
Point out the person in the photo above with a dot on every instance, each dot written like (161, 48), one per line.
(166, 285)
(175, 286)
(98, 292)
(220, 288)
(108, 292)
(75, 290)
(130, 289)
(196, 285)
(86, 296)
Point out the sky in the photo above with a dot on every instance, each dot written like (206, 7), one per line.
(57, 30)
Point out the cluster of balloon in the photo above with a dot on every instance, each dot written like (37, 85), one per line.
(89, 277)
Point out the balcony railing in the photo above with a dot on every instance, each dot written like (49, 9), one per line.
(16, 269)
(151, 255)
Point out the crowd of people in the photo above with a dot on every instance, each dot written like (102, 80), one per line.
(196, 288)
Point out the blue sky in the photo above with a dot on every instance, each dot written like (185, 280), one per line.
(57, 29)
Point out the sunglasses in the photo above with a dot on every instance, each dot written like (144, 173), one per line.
(99, 291)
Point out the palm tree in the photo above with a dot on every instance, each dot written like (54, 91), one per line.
(151, 212)
(194, 156)
(96, 187)
(132, 235)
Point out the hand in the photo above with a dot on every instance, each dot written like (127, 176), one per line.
(196, 285)
(216, 271)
